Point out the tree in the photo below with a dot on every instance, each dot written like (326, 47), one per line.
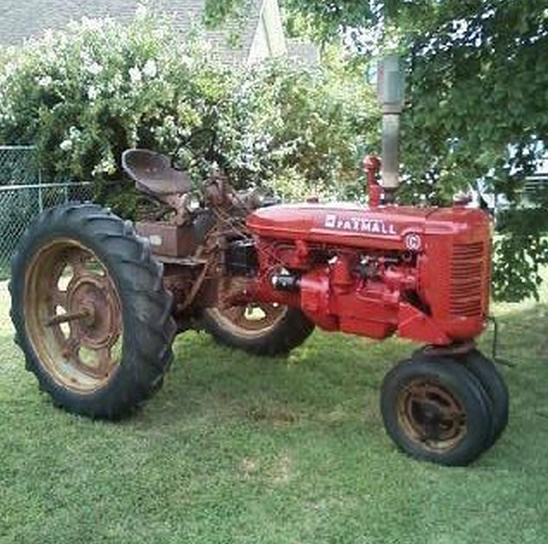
(479, 111)
(477, 107)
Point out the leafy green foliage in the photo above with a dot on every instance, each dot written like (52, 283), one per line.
(86, 94)
(517, 275)
(522, 250)
(477, 102)
(475, 109)
(478, 111)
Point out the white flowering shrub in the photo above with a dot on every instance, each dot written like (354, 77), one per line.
(85, 94)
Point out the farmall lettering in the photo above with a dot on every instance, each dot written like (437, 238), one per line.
(359, 224)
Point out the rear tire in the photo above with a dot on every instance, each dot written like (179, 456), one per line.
(436, 410)
(279, 335)
(90, 311)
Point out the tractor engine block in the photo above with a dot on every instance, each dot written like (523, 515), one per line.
(420, 273)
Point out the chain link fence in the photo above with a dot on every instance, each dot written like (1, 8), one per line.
(24, 194)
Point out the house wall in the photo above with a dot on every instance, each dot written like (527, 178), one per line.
(260, 49)
(269, 39)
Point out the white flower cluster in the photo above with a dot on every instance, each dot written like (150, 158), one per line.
(93, 93)
(94, 68)
(106, 166)
(149, 71)
(141, 12)
(168, 131)
(45, 81)
(92, 25)
(10, 68)
(187, 61)
(135, 75)
(74, 136)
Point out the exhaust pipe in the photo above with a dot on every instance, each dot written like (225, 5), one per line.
(390, 89)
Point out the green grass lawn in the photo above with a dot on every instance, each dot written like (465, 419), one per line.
(241, 449)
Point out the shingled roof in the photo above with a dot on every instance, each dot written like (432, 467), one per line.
(22, 19)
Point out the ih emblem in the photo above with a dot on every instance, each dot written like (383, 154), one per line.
(359, 224)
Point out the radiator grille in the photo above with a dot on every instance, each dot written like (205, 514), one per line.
(468, 279)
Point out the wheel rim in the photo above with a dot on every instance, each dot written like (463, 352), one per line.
(431, 415)
(73, 315)
(250, 321)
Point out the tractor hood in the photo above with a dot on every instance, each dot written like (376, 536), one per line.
(390, 227)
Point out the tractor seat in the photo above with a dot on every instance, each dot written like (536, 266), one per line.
(153, 173)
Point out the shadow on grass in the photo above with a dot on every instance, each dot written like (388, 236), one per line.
(279, 450)
(330, 384)
(331, 380)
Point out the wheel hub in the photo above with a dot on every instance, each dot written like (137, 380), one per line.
(91, 294)
(431, 415)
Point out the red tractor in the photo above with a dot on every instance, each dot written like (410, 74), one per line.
(96, 302)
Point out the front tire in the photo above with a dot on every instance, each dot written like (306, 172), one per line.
(436, 410)
(90, 311)
(494, 385)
